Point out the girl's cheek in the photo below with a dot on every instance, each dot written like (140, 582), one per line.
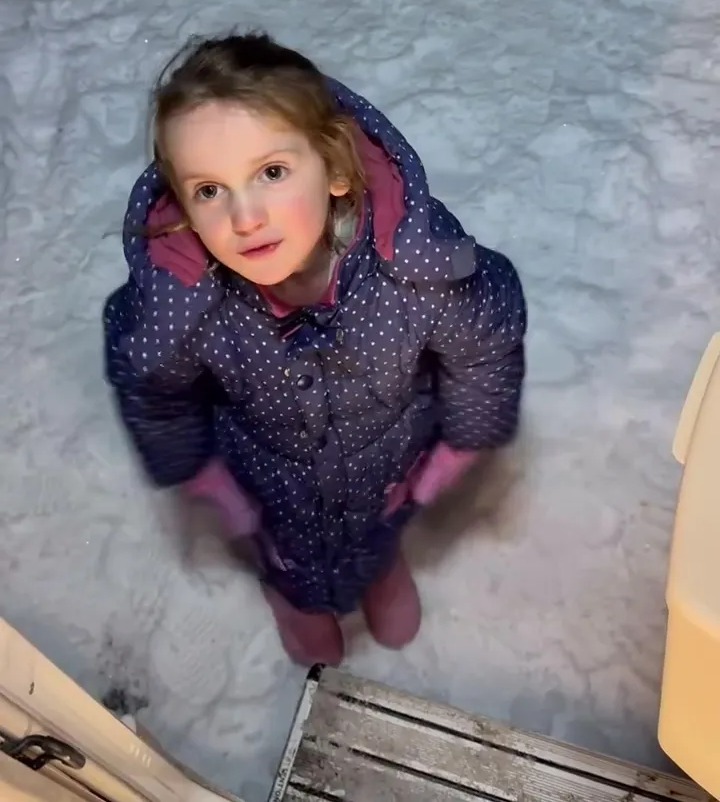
(304, 207)
(210, 222)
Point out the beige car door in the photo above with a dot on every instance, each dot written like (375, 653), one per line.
(94, 755)
(18, 783)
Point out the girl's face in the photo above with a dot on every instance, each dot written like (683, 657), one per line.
(255, 191)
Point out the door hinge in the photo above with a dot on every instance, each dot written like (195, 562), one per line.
(50, 749)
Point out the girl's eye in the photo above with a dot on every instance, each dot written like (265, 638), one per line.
(208, 192)
(274, 172)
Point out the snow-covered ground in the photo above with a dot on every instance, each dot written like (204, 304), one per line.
(579, 137)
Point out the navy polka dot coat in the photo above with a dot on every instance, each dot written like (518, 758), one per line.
(316, 415)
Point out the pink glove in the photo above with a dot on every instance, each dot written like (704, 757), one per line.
(442, 469)
(214, 484)
(430, 476)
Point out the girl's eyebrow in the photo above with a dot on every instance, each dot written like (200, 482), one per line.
(276, 152)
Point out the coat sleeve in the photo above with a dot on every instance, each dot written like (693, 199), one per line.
(478, 342)
(163, 394)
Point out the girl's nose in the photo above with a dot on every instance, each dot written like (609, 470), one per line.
(247, 215)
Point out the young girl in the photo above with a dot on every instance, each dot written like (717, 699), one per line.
(307, 337)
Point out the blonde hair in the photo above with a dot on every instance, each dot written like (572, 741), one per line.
(252, 69)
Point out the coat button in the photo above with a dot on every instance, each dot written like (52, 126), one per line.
(304, 382)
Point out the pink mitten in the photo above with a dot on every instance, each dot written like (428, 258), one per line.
(214, 484)
(443, 467)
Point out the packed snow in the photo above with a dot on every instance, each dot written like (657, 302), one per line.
(581, 139)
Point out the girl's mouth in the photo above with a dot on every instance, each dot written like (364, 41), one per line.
(260, 251)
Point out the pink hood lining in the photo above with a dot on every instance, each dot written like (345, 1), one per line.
(183, 254)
